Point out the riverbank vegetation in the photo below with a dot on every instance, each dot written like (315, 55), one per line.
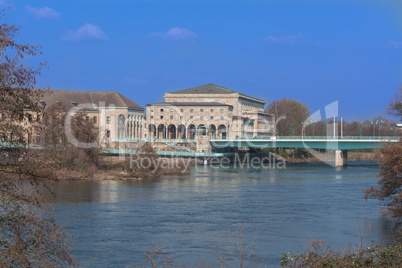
(29, 236)
(389, 186)
(318, 254)
(149, 165)
(294, 118)
(72, 162)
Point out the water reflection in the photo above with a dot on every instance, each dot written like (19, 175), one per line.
(185, 215)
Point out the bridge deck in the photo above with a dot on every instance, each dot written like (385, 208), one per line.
(314, 142)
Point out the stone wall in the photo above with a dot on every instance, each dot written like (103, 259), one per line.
(203, 144)
(171, 117)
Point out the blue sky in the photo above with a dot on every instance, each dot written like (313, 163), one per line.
(314, 51)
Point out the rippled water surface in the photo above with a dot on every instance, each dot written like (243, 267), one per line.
(186, 216)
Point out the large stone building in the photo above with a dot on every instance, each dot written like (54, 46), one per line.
(117, 117)
(199, 113)
(208, 110)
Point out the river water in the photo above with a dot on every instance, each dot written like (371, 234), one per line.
(281, 209)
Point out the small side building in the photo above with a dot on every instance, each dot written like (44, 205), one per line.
(118, 118)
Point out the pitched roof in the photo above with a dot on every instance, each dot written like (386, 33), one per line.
(210, 89)
(98, 98)
(205, 89)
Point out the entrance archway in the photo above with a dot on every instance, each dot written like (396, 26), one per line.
(152, 131)
(201, 130)
(181, 132)
(212, 131)
(172, 132)
(161, 132)
(191, 131)
(222, 131)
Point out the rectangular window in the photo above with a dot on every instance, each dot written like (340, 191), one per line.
(161, 116)
(222, 117)
(152, 109)
(212, 110)
(181, 110)
(108, 120)
(202, 117)
(3, 117)
(211, 117)
(152, 117)
(37, 138)
(171, 117)
(12, 118)
(107, 133)
(161, 110)
(202, 110)
(87, 118)
(95, 119)
(171, 110)
(38, 117)
(221, 110)
(191, 117)
(181, 117)
(191, 110)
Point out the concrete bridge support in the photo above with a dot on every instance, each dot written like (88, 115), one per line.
(341, 158)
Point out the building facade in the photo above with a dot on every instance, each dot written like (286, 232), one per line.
(208, 110)
(117, 117)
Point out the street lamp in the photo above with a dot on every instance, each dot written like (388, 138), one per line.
(334, 128)
(341, 127)
(313, 127)
(292, 129)
(379, 127)
(373, 123)
(377, 122)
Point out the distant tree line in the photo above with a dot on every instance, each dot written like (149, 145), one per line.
(292, 119)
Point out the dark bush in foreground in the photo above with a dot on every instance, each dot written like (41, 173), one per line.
(318, 254)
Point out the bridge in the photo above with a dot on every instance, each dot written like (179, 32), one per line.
(339, 144)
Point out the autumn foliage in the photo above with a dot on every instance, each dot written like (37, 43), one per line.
(389, 186)
(29, 237)
(57, 146)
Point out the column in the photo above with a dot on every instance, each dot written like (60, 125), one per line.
(341, 158)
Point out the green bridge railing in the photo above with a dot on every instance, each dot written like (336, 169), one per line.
(166, 153)
(273, 138)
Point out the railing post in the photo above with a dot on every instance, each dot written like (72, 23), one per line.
(334, 128)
